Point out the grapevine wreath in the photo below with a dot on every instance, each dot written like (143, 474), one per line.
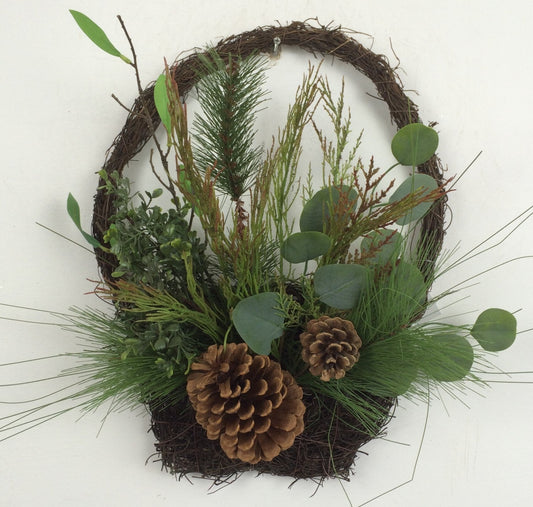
(333, 435)
(258, 341)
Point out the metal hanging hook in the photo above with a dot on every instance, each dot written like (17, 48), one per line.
(276, 52)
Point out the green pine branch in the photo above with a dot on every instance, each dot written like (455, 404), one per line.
(229, 94)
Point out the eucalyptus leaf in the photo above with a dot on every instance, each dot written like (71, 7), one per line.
(73, 209)
(407, 281)
(495, 329)
(316, 212)
(385, 245)
(161, 101)
(405, 289)
(340, 285)
(160, 343)
(414, 144)
(304, 246)
(451, 357)
(393, 377)
(96, 34)
(258, 321)
(410, 185)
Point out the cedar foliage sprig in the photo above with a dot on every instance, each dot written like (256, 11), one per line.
(284, 160)
(333, 152)
(372, 211)
(247, 254)
(241, 247)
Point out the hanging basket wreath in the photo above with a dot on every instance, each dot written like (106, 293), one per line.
(246, 360)
(332, 435)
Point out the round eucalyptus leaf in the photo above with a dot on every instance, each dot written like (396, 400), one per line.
(495, 329)
(410, 185)
(451, 357)
(385, 368)
(414, 144)
(408, 282)
(383, 245)
(404, 381)
(304, 246)
(316, 212)
(340, 285)
(258, 321)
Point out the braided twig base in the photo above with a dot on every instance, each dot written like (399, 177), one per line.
(327, 447)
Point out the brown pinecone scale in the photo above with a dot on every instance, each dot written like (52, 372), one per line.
(252, 406)
(330, 345)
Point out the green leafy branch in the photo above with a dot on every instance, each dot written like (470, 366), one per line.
(73, 210)
(148, 241)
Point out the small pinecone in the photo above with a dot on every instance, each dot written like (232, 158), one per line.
(330, 345)
(253, 406)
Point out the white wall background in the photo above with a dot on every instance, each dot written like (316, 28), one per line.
(472, 67)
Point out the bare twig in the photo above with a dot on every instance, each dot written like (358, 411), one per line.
(117, 100)
(147, 116)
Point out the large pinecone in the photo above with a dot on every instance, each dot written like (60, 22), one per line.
(253, 406)
(330, 345)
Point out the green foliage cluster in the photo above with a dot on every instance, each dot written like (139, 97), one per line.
(158, 254)
(148, 241)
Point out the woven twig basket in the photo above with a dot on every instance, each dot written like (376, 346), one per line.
(332, 437)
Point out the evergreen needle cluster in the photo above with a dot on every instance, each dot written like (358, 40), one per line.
(230, 93)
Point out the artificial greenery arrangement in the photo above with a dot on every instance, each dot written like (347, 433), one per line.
(262, 338)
